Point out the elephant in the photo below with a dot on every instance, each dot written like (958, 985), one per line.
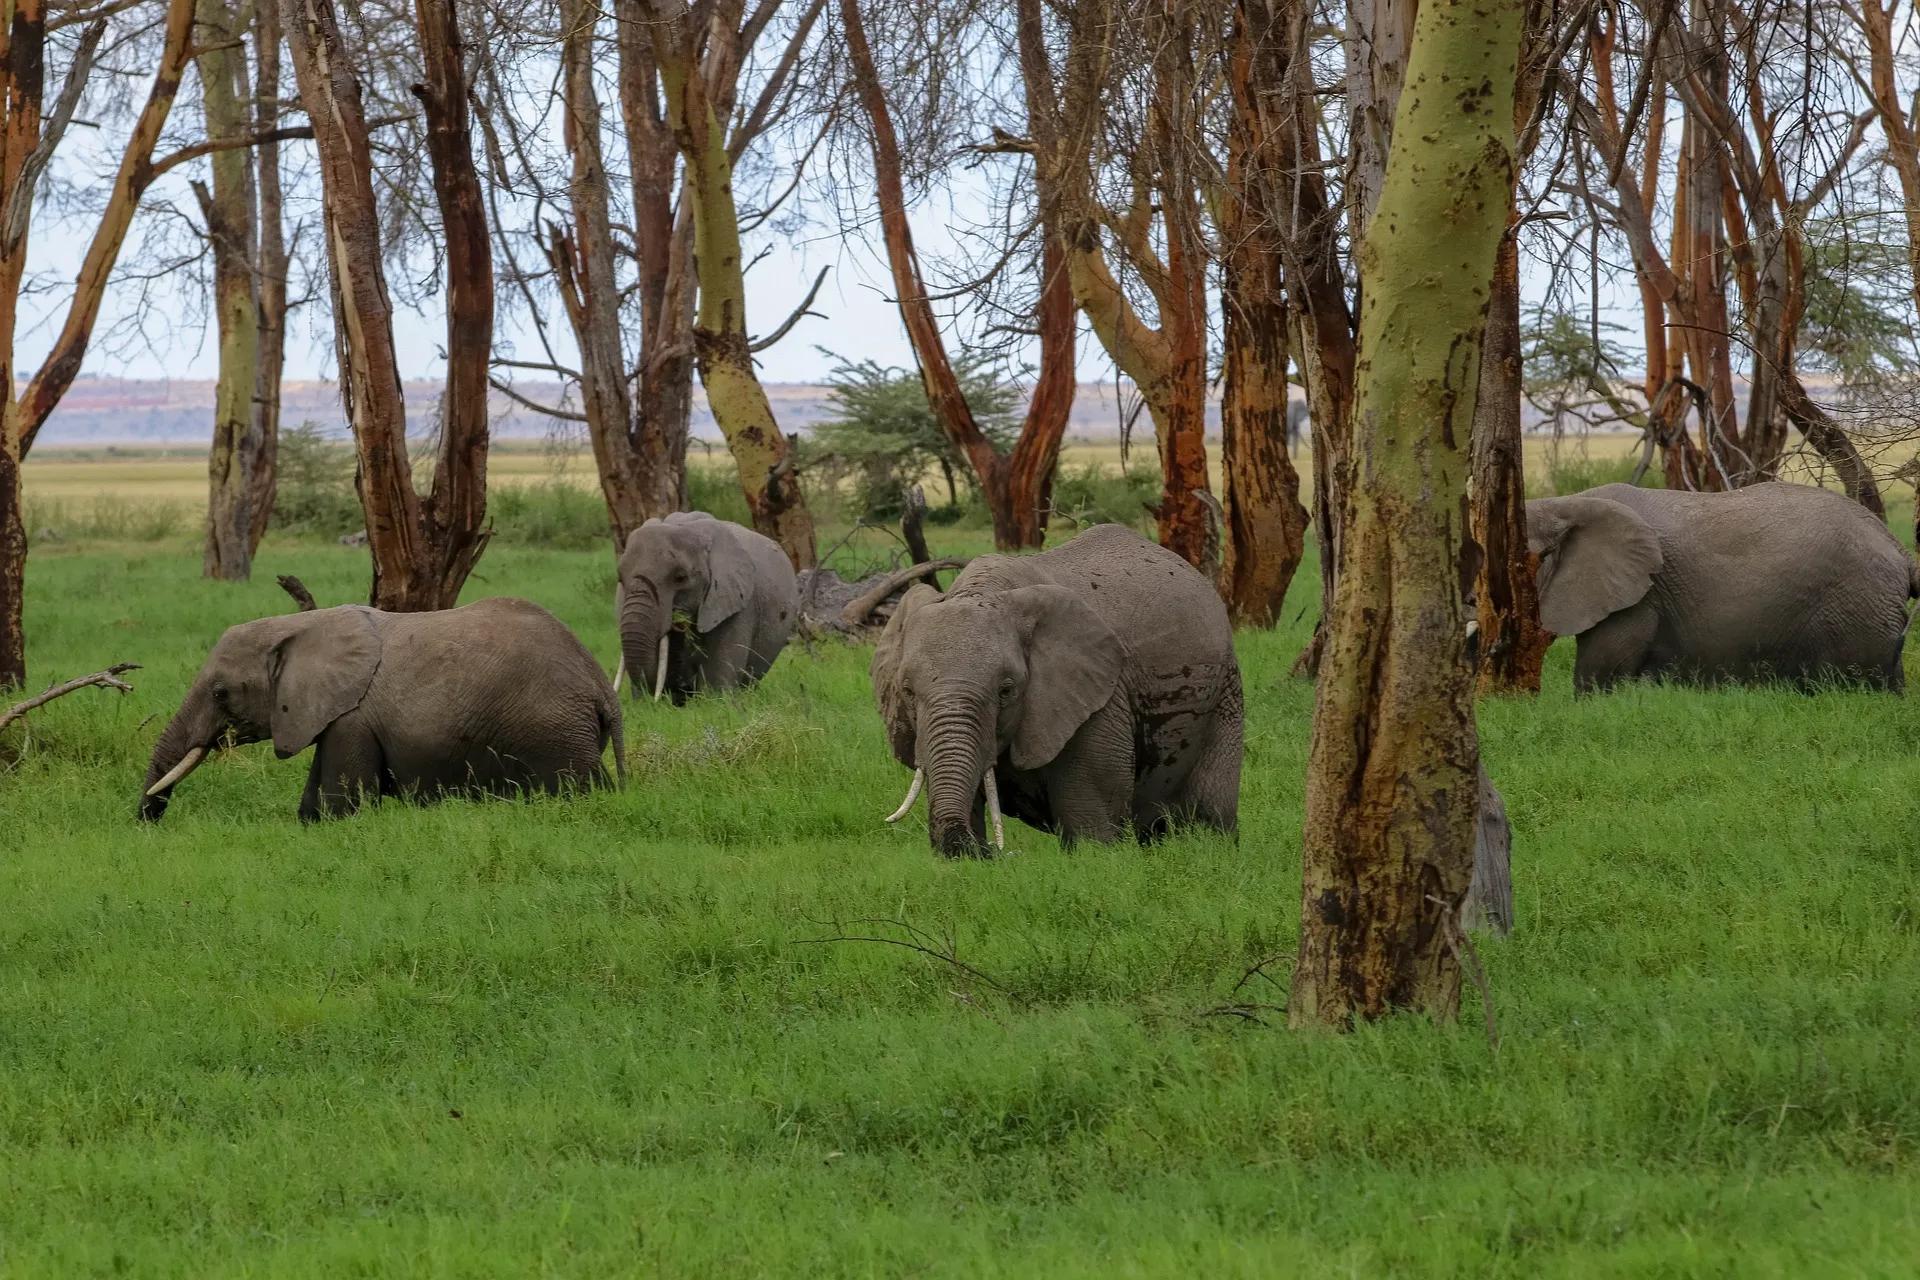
(735, 585)
(494, 697)
(1775, 581)
(1088, 688)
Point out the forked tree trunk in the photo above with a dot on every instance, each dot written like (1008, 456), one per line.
(1393, 770)
(1513, 645)
(230, 213)
(583, 263)
(422, 552)
(722, 349)
(1260, 490)
(271, 258)
(22, 77)
(1015, 485)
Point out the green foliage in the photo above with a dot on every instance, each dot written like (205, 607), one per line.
(553, 515)
(602, 1037)
(884, 430)
(1572, 471)
(716, 491)
(315, 493)
(1094, 494)
(105, 518)
(1858, 323)
(1562, 357)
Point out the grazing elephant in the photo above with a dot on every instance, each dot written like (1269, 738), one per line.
(1772, 582)
(1086, 688)
(735, 585)
(497, 696)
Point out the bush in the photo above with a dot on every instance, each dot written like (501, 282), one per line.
(716, 491)
(1572, 473)
(552, 515)
(109, 517)
(315, 494)
(1095, 494)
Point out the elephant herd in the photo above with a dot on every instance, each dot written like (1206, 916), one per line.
(1089, 690)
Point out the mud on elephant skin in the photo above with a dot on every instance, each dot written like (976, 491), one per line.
(1776, 581)
(701, 602)
(1090, 688)
(495, 697)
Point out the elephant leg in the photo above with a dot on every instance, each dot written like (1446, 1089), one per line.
(1090, 783)
(1213, 788)
(347, 765)
(1614, 649)
(727, 653)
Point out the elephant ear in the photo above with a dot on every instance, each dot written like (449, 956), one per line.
(896, 709)
(1074, 661)
(1597, 557)
(729, 579)
(321, 671)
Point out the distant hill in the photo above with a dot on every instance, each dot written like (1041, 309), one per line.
(128, 411)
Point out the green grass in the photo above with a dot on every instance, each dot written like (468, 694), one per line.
(592, 1037)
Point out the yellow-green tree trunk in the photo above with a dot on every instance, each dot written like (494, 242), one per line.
(230, 215)
(1392, 774)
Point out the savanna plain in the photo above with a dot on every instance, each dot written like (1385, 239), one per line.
(633, 1033)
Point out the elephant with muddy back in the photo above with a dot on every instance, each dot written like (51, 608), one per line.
(701, 602)
(494, 697)
(1085, 690)
(1776, 581)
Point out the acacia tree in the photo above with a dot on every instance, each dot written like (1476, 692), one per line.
(422, 549)
(1016, 484)
(1393, 770)
(29, 138)
(695, 55)
(231, 217)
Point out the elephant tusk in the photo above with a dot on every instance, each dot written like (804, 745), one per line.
(188, 763)
(913, 793)
(620, 673)
(660, 671)
(993, 811)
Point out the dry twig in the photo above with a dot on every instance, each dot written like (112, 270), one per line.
(105, 679)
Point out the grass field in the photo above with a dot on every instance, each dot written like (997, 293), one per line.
(600, 1036)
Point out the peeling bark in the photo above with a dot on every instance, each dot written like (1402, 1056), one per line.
(1393, 772)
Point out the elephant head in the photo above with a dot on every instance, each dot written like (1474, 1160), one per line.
(688, 564)
(285, 678)
(1597, 557)
(962, 679)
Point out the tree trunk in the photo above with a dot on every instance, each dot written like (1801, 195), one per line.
(1260, 490)
(1393, 771)
(722, 351)
(663, 239)
(272, 270)
(456, 516)
(1513, 645)
(363, 313)
(229, 211)
(584, 264)
(422, 552)
(23, 66)
(1897, 123)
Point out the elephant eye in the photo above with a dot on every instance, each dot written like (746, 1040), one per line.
(219, 693)
(1006, 690)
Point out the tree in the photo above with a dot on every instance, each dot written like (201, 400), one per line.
(722, 346)
(1016, 480)
(28, 140)
(231, 216)
(422, 550)
(1392, 781)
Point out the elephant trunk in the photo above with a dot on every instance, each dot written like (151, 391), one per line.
(957, 748)
(192, 732)
(644, 622)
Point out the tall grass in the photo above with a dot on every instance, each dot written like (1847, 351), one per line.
(618, 1034)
